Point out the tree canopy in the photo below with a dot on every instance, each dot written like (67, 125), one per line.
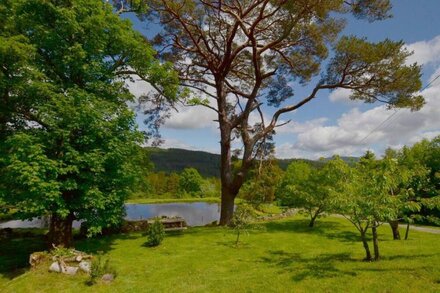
(69, 139)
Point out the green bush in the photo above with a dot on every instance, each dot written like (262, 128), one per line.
(156, 233)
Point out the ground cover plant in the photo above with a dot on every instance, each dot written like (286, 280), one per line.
(282, 256)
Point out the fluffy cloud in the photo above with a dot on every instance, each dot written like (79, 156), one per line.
(340, 95)
(191, 118)
(296, 127)
(425, 51)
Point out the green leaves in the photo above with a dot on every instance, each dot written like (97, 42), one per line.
(376, 72)
(72, 145)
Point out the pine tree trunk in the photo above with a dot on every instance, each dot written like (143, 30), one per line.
(60, 231)
(366, 247)
(227, 208)
(395, 228)
(375, 242)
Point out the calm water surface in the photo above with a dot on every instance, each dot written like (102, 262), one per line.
(195, 214)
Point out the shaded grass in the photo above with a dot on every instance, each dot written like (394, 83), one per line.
(281, 256)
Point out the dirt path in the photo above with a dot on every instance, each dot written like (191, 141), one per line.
(411, 227)
(421, 229)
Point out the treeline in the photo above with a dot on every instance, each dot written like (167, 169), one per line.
(208, 164)
(186, 184)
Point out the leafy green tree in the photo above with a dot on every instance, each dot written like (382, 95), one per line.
(297, 189)
(68, 139)
(313, 190)
(190, 181)
(261, 185)
(374, 192)
(424, 159)
(233, 57)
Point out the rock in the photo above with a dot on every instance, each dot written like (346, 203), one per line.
(56, 267)
(107, 278)
(85, 266)
(79, 258)
(36, 258)
(70, 270)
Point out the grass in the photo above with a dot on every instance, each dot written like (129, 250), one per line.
(281, 256)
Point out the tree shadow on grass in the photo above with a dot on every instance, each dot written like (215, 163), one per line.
(14, 254)
(103, 244)
(321, 266)
(344, 236)
(15, 251)
(301, 226)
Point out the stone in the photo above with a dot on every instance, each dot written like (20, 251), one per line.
(79, 258)
(56, 267)
(70, 270)
(107, 278)
(85, 266)
(36, 258)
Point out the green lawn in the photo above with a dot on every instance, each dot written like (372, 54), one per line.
(281, 256)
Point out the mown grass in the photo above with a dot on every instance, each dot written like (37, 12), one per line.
(281, 256)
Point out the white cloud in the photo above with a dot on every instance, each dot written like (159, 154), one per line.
(425, 51)
(191, 118)
(297, 127)
(340, 94)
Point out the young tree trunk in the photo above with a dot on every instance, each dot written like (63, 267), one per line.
(375, 242)
(366, 247)
(395, 228)
(238, 237)
(407, 231)
(60, 231)
(313, 219)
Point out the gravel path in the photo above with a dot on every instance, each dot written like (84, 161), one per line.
(422, 229)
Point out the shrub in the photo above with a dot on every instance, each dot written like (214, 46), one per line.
(156, 233)
(99, 268)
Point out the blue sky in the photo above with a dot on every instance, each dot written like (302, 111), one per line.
(332, 124)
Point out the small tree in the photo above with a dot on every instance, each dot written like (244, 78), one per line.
(242, 218)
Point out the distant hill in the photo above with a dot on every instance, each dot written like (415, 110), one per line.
(208, 164)
(175, 160)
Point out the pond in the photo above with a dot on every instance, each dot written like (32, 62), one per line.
(195, 214)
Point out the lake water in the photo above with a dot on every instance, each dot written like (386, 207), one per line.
(195, 214)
